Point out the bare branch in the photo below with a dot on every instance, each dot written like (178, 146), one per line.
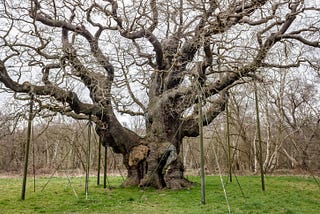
(63, 96)
(190, 126)
(315, 44)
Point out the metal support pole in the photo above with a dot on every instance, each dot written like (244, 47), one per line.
(88, 158)
(202, 175)
(105, 167)
(99, 162)
(259, 135)
(27, 147)
(33, 162)
(229, 143)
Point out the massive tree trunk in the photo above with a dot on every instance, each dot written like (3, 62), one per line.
(154, 159)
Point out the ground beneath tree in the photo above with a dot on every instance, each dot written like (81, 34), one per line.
(188, 172)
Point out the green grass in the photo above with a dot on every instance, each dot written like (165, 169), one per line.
(283, 194)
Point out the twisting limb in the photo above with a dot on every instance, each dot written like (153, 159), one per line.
(59, 94)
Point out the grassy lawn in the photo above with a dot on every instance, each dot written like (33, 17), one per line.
(283, 194)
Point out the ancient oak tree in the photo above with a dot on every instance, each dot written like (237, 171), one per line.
(149, 58)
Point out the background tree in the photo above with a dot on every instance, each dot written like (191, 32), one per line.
(148, 59)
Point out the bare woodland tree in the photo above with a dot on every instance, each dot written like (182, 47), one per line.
(148, 58)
